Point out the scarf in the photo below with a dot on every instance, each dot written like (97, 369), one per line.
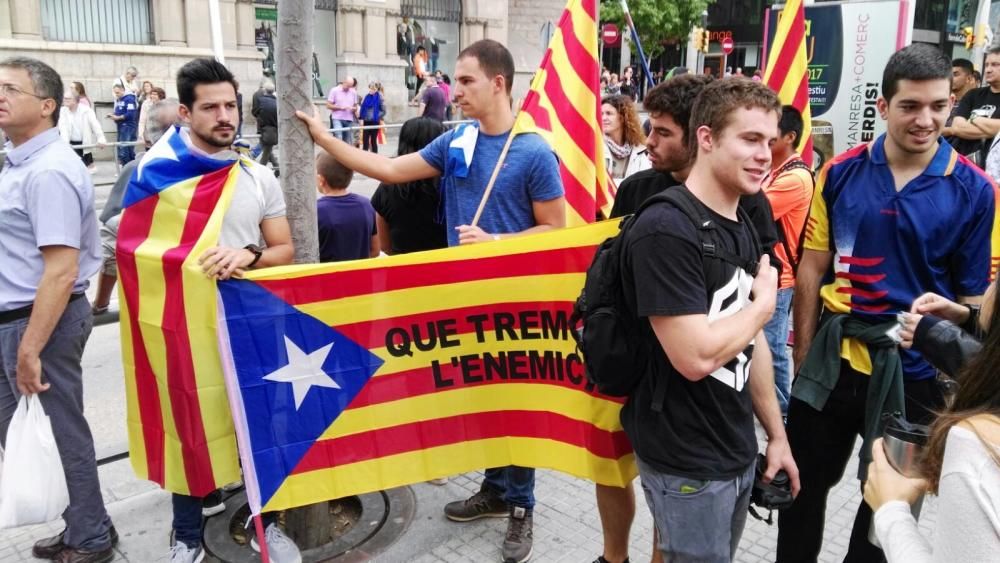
(619, 152)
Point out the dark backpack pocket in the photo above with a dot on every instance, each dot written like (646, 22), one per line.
(613, 350)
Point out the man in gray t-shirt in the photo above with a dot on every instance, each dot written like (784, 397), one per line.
(207, 92)
(49, 249)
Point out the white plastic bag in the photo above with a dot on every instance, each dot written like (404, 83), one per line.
(33, 485)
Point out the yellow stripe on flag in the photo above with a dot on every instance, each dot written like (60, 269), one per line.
(200, 309)
(398, 303)
(402, 469)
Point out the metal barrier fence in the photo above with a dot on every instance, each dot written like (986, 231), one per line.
(254, 136)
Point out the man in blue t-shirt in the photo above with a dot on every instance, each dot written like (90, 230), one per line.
(126, 116)
(526, 198)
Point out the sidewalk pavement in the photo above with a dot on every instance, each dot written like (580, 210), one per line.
(567, 527)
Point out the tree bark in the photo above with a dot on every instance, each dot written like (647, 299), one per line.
(294, 47)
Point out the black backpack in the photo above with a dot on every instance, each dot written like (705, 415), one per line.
(607, 329)
(794, 259)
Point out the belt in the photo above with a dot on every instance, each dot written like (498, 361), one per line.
(25, 312)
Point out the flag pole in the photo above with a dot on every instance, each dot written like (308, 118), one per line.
(496, 170)
(259, 527)
(638, 44)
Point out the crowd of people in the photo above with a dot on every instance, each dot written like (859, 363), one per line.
(731, 234)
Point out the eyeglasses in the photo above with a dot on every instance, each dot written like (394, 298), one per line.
(11, 91)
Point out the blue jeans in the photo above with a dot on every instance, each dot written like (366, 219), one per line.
(187, 519)
(126, 133)
(346, 135)
(515, 484)
(776, 332)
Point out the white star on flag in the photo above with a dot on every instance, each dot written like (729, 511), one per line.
(161, 149)
(303, 371)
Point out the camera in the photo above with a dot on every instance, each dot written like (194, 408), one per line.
(775, 495)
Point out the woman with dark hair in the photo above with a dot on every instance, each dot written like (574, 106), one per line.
(408, 216)
(625, 150)
(961, 464)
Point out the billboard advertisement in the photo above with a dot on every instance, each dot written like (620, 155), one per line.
(847, 47)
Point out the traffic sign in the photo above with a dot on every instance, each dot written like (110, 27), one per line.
(727, 45)
(610, 34)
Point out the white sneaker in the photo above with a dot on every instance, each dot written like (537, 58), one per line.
(280, 547)
(234, 486)
(181, 553)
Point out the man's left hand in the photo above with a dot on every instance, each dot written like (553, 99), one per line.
(222, 262)
(779, 456)
(29, 375)
(468, 235)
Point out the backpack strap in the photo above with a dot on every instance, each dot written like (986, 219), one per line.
(795, 164)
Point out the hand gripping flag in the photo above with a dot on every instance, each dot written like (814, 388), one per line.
(361, 376)
(787, 70)
(179, 426)
(564, 106)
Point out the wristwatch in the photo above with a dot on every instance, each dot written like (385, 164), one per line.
(257, 253)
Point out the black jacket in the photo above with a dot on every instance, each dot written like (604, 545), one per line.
(945, 345)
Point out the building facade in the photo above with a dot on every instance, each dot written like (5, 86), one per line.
(94, 41)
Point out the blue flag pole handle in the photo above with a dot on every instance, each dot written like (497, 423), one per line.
(638, 44)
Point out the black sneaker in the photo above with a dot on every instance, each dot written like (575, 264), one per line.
(212, 504)
(517, 543)
(484, 504)
(49, 548)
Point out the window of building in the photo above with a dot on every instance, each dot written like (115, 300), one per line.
(433, 25)
(97, 21)
(441, 10)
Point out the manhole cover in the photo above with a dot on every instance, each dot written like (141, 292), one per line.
(360, 527)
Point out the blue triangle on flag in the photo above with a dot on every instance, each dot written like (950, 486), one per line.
(296, 375)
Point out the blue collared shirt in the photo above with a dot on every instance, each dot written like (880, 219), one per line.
(46, 199)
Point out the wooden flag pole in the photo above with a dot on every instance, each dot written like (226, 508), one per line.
(496, 171)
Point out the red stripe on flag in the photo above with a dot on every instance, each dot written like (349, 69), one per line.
(577, 196)
(862, 293)
(859, 261)
(536, 111)
(590, 7)
(578, 128)
(421, 381)
(338, 285)
(181, 381)
(132, 232)
(372, 334)
(366, 446)
(789, 46)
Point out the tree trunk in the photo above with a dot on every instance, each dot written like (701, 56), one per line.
(293, 83)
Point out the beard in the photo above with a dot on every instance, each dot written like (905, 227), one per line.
(217, 138)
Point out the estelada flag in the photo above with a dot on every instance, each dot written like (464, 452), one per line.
(179, 427)
(361, 376)
(787, 71)
(564, 107)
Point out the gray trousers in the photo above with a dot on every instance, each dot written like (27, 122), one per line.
(87, 522)
(697, 520)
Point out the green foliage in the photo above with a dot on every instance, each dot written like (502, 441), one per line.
(656, 20)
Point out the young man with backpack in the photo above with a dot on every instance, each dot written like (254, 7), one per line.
(669, 105)
(690, 415)
(789, 189)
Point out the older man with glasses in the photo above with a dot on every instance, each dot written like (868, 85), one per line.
(49, 248)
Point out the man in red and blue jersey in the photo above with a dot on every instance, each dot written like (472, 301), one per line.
(890, 220)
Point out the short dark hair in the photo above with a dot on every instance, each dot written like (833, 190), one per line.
(160, 92)
(717, 102)
(964, 64)
(675, 97)
(44, 80)
(494, 59)
(201, 71)
(336, 174)
(790, 122)
(918, 62)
